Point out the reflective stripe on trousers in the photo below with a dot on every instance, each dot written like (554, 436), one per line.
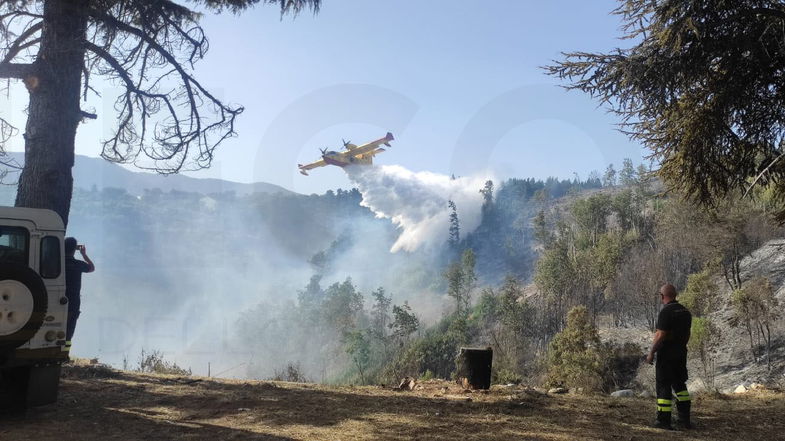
(664, 405)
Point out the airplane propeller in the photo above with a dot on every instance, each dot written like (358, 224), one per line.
(346, 143)
(324, 151)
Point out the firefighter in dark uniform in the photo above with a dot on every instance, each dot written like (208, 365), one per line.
(670, 345)
(73, 284)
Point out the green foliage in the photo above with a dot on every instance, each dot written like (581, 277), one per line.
(627, 174)
(505, 376)
(756, 307)
(153, 362)
(541, 231)
(602, 260)
(455, 227)
(700, 295)
(502, 242)
(434, 352)
(487, 195)
(700, 88)
(323, 260)
(461, 280)
(628, 205)
(380, 314)
(342, 305)
(427, 375)
(704, 339)
(515, 313)
(554, 273)
(591, 216)
(609, 177)
(404, 323)
(359, 349)
(575, 357)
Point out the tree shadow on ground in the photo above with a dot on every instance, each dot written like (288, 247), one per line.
(132, 406)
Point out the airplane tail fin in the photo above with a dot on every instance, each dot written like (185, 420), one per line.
(389, 137)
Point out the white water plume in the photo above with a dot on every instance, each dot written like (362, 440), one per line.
(416, 202)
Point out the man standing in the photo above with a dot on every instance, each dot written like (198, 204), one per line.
(73, 283)
(670, 345)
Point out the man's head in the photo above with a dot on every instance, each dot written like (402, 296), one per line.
(667, 293)
(70, 246)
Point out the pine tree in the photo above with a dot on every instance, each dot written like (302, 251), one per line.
(487, 194)
(700, 88)
(609, 178)
(166, 119)
(405, 322)
(455, 227)
(575, 357)
(380, 313)
(461, 280)
(627, 175)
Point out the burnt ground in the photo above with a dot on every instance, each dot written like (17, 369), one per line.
(102, 404)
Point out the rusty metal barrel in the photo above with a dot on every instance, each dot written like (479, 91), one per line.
(474, 367)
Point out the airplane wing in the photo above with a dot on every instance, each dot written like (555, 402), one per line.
(372, 146)
(370, 154)
(306, 167)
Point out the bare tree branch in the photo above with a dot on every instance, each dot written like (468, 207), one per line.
(15, 70)
(188, 121)
(19, 44)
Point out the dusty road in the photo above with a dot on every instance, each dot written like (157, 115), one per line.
(97, 404)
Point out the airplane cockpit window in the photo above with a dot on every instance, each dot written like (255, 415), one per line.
(14, 245)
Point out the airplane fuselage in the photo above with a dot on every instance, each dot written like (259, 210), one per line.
(352, 155)
(334, 158)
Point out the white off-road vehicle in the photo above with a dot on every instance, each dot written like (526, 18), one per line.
(33, 306)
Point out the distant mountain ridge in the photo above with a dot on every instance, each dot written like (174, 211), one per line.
(89, 172)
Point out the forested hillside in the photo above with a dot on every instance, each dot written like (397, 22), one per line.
(312, 277)
(597, 259)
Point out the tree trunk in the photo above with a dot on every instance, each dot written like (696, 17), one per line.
(54, 113)
(767, 337)
(752, 343)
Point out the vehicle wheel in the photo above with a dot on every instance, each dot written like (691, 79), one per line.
(23, 305)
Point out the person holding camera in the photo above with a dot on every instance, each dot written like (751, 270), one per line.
(73, 283)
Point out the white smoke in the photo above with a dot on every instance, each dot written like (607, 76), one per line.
(416, 202)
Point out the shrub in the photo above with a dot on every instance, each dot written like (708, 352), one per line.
(505, 376)
(427, 375)
(292, 372)
(153, 363)
(704, 337)
(700, 295)
(575, 358)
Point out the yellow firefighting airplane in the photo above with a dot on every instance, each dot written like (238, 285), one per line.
(351, 155)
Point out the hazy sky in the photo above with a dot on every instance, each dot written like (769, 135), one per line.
(458, 84)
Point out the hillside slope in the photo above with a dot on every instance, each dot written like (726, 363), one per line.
(735, 364)
(102, 404)
(99, 174)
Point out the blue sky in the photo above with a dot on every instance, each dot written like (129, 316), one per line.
(458, 83)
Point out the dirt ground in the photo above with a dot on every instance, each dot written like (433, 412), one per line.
(101, 404)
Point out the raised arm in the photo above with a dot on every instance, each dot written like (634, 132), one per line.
(90, 264)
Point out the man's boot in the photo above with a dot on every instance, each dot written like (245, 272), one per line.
(663, 421)
(683, 408)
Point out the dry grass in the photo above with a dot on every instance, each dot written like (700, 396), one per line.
(95, 405)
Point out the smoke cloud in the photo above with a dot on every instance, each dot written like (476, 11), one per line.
(416, 202)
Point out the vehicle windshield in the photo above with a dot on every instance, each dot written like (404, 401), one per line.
(14, 245)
